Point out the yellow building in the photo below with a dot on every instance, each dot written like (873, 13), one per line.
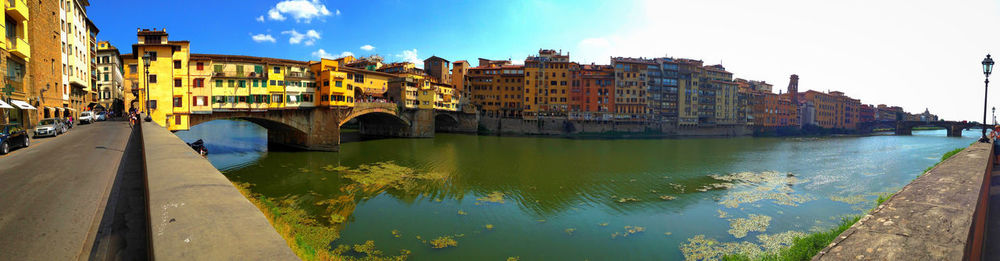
(547, 79)
(238, 83)
(16, 58)
(446, 98)
(201, 83)
(300, 87)
(276, 85)
(405, 90)
(331, 90)
(155, 53)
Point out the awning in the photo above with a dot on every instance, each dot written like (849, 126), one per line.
(4, 105)
(22, 105)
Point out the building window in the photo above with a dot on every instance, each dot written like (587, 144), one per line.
(339, 83)
(243, 83)
(177, 82)
(152, 78)
(200, 82)
(231, 83)
(277, 70)
(177, 64)
(218, 83)
(326, 83)
(200, 66)
(178, 101)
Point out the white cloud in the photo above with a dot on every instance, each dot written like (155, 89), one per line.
(410, 56)
(323, 54)
(367, 47)
(260, 19)
(275, 15)
(308, 38)
(260, 38)
(302, 10)
(338, 11)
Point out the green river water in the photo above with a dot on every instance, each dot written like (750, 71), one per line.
(579, 199)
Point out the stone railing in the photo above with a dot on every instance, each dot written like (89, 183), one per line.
(195, 213)
(939, 216)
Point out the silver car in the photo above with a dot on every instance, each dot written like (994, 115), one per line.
(50, 127)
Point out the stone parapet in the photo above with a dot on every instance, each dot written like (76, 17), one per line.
(939, 216)
(195, 212)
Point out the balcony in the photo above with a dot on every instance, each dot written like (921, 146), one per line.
(16, 84)
(17, 9)
(19, 47)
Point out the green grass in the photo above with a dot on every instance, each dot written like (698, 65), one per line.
(804, 248)
(943, 158)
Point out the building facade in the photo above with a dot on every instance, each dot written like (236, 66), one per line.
(16, 90)
(77, 46)
(110, 88)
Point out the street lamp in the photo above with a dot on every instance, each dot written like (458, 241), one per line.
(145, 63)
(987, 69)
(994, 116)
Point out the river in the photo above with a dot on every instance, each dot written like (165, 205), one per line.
(577, 199)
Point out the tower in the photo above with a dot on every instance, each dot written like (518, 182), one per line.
(793, 89)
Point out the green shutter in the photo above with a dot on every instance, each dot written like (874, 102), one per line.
(218, 83)
(218, 68)
(239, 70)
(258, 69)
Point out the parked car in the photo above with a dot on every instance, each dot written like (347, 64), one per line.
(102, 116)
(11, 136)
(87, 117)
(50, 127)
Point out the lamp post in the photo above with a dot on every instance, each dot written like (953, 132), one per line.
(145, 63)
(987, 69)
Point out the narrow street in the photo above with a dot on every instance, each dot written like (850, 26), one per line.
(55, 191)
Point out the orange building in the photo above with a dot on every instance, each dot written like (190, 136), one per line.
(834, 110)
(770, 110)
(630, 87)
(497, 89)
(547, 79)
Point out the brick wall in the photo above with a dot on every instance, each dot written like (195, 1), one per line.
(45, 67)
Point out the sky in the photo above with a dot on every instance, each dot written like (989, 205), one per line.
(915, 54)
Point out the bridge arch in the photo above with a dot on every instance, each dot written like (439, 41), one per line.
(290, 128)
(377, 108)
(445, 122)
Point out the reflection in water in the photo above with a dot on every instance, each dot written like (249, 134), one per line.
(547, 198)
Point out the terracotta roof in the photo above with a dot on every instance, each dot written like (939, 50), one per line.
(243, 58)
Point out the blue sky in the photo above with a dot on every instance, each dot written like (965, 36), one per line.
(912, 53)
(454, 30)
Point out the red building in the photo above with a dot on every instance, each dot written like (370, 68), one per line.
(594, 97)
(866, 113)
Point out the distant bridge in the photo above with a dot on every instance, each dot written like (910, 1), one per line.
(906, 127)
(318, 128)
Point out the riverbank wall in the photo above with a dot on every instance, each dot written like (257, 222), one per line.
(941, 215)
(195, 212)
(581, 128)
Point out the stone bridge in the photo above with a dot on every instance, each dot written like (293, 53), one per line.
(319, 128)
(906, 127)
